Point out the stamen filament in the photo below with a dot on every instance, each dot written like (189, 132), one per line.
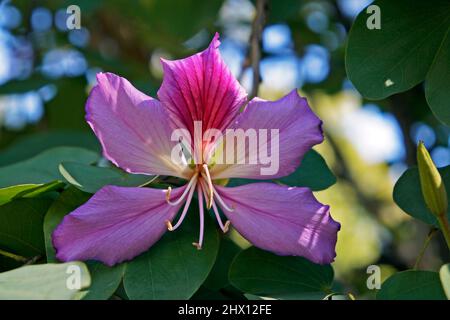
(183, 214)
(199, 244)
(222, 203)
(210, 185)
(219, 219)
(181, 198)
(225, 227)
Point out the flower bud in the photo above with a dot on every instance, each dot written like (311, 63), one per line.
(433, 188)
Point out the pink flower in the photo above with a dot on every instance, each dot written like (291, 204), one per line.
(119, 223)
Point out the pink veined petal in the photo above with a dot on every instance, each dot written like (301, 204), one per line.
(133, 128)
(115, 225)
(201, 88)
(284, 220)
(298, 130)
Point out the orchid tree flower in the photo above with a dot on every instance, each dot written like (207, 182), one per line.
(135, 131)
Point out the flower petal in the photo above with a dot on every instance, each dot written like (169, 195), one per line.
(115, 225)
(298, 130)
(201, 88)
(284, 220)
(133, 128)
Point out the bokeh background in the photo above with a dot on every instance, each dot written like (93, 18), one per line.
(46, 72)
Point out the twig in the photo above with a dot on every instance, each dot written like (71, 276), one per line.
(424, 248)
(255, 45)
(13, 256)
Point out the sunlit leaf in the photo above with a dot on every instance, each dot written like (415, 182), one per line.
(31, 145)
(90, 179)
(43, 168)
(45, 282)
(444, 275)
(27, 191)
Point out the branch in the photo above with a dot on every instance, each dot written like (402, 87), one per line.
(255, 45)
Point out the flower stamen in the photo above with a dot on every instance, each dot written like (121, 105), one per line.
(219, 219)
(199, 244)
(183, 214)
(210, 185)
(181, 198)
(223, 204)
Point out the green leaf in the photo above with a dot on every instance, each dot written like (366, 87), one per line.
(173, 268)
(262, 273)
(34, 82)
(313, 173)
(21, 226)
(408, 195)
(90, 179)
(43, 168)
(27, 191)
(44, 282)
(437, 90)
(31, 145)
(382, 62)
(68, 201)
(105, 280)
(218, 277)
(412, 285)
(444, 275)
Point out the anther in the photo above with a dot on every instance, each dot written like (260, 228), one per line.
(169, 225)
(168, 192)
(197, 245)
(226, 227)
(190, 185)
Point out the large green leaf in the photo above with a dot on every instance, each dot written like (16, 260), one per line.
(90, 179)
(27, 191)
(218, 277)
(265, 274)
(105, 280)
(31, 145)
(444, 275)
(437, 85)
(408, 195)
(21, 223)
(43, 168)
(44, 282)
(173, 268)
(395, 58)
(412, 285)
(313, 173)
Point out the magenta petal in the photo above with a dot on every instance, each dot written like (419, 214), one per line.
(299, 129)
(115, 225)
(284, 220)
(201, 88)
(132, 127)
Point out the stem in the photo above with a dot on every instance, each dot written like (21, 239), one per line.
(443, 223)
(255, 44)
(13, 256)
(424, 248)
